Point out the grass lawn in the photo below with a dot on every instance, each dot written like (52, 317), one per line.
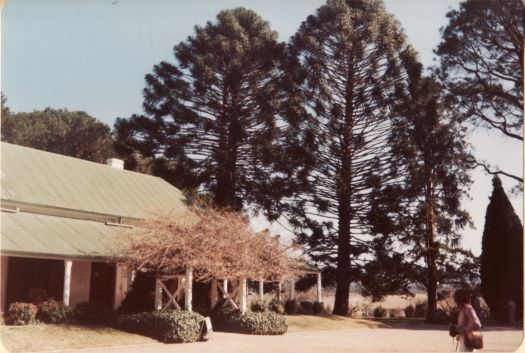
(50, 337)
(328, 322)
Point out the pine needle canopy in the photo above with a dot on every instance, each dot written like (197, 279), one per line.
(214, 243)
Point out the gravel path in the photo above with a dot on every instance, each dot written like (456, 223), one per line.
(354, 340)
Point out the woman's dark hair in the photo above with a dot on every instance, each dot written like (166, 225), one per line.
(462, 296)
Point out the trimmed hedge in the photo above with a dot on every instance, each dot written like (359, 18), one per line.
(53, 312)
(166, 326)
(227, 319)
(258, 306)
(21, 314)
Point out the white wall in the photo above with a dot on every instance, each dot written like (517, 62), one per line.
(80, 282)
(3, 282)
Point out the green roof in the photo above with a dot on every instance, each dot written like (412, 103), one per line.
(43, 178)
(34, 234)
(65, 202)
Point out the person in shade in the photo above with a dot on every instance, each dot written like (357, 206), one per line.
(476, 304)
(468, 321)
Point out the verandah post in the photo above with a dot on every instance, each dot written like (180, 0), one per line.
(158, 294)
(319, 288)
(188, 289)
(67, 282)
(261, 289)
(243, 294)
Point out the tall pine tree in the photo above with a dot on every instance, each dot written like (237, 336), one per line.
(349, 57)
(434, 160)
(214, 111)
(502, 252)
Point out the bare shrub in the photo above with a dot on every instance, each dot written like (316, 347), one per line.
(214, 243)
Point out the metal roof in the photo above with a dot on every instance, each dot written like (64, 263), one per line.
(65, 203)
(39, 177)
(50, 236)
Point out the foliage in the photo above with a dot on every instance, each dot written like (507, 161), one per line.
(482, 65)
(348, 68)
(227, 319)
(53, 312)
(166, 326)
(276, 306)
(215, 243)
(291, 307)
(410, 311)
(138, 298)
(258, 306)
(424, 209)
(421, 308)
(380, 312)
(93, 314)
(319, 308)
(397, 313)
(21, 314)
(502, 252)
(268, 323)
(213, 112)
(74, 134)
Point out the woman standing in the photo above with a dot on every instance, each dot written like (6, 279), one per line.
(468, 321)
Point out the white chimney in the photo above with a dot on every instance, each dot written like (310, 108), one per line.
(115, 163)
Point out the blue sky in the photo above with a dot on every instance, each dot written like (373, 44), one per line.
(93, 55)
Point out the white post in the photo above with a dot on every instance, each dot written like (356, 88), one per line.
(67, 282)
(319, 288)
(213, 292)
(243, 294)
(261, 289)
(225, 285)
(131, 278)
(278, 294)
(188, 289)
(158, 294)
(292, 289)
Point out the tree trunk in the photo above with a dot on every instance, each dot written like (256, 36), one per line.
(431, 250)
(343, 260)
(345, 201)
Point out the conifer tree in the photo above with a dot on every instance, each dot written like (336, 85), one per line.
(348, 55)
(434, 159)
(214, 110)
(502, 252)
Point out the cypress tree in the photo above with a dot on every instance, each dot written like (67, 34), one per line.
(502, 253)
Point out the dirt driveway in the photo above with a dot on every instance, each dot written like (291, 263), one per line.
(354, 340)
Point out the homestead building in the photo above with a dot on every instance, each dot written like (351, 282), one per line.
(64, 219)
(61, 220)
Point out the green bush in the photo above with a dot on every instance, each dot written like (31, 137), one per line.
(276, 306)
(227, 319)
(380, 312)
(263, 324)
(258, 306)
(307, 308)
(21, 314)
(138, 299)
(93, 314)
(421, 309)
(290, 307)
(318, 308)
(167, 326)
(53, 312)
(410, 311)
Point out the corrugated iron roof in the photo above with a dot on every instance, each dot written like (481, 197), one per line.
(46, 185)
(39, 177)
(34, 234)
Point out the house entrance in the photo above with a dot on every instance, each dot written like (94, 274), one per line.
(32, 280)
(102, 289)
